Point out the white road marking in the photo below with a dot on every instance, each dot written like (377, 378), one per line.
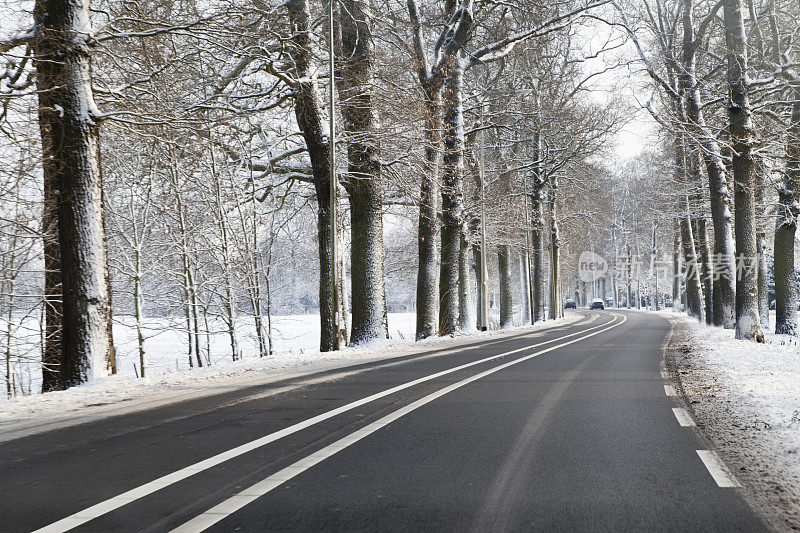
(670, 390)
(104, 507)
(250, 494)
(718, 470)
(683, 417)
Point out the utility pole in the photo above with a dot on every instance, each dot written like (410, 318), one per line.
(334, 188)
(484, 318)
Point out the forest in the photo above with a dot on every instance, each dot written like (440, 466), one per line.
(205, 168)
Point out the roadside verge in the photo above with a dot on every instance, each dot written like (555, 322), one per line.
(745, 398)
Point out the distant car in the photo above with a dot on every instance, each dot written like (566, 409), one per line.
(570, 304)
(609, 302)
(597, 303)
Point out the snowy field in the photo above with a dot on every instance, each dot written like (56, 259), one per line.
(166, 344)
(747, 397)
(171, 380)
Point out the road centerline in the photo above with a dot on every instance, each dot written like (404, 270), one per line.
(111, 504)
(255, 491)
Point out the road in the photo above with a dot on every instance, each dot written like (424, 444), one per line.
(565, 429)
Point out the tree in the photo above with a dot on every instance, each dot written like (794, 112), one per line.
(742, 139)
(69, 124)
(363, 184)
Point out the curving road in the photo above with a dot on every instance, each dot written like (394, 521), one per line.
(569, 428)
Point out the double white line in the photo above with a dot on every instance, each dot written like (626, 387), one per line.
(218, 512)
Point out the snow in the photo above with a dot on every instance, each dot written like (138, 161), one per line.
(746, 396)
(170, 380)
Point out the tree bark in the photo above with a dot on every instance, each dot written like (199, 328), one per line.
(452, 201)
(763, 280)
(694, 289)
(706, 275)
(51, 349)
(427, 275)
(467, 316)
(70, 137)
(356, 82)
(676, 267)
(537, 228)
(138, 304)
(506, 290)
(786, 296)
(525, 283)
(741, 131)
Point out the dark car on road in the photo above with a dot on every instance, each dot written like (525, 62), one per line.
(570, 304)
(597, 303)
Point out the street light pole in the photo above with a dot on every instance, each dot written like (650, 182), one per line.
(335, 339)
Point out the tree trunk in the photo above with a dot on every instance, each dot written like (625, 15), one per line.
(475, 250)
(71, 140)
(427, 275)
(741, 131)
(706, 274)
(537, 228)
(763, 280)
(308, 112)
(229, 303)
(786, 297)
(506, 291)
(467, 316)
(190, 289)
(452, 202)
(356, 84)
(525, 283)
(676, 267)
(694, 290)
(188, 315)
(724, 284)
(761, 244)
(137, 306)
(51, 348)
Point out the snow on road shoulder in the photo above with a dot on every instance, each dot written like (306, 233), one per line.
(114, 395)
(746, 397)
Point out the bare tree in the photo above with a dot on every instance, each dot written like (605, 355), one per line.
(742, 139)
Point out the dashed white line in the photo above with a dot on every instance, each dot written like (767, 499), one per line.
(670, 390)
(111, 504)
(250, 494)
(684, 419)
(718, 470)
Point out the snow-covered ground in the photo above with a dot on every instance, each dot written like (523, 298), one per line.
(171, 380)
(746, 397)
(166, 343)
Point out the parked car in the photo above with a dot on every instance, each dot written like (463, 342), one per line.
(597, 303)
(569, 303)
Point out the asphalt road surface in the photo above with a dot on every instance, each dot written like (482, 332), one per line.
(573, 428)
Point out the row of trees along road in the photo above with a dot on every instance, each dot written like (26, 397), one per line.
(210, 207)
(725, 90)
